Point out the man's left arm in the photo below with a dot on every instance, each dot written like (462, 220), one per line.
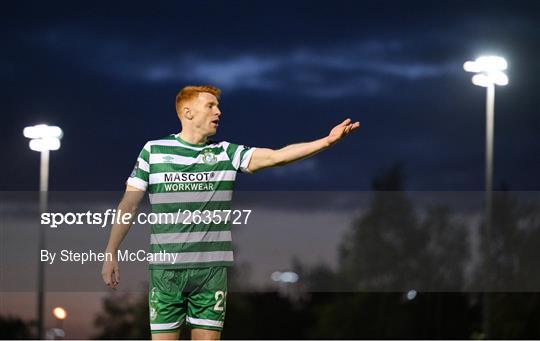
(265, 158)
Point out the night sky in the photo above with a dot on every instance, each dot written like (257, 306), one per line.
(108, 73)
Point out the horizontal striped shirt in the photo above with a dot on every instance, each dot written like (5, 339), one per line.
(185, 177)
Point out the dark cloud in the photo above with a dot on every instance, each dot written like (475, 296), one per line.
(108, 72)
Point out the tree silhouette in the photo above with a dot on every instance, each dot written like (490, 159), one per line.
(382, 249)
(14, 328)
(514, 281)
(390, 248)
(446, 252)
(124, 316)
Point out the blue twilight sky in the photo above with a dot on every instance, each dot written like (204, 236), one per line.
(107, 73)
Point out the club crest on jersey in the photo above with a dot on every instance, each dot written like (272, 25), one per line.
(209, 157)
(153, 301)
(153, 313)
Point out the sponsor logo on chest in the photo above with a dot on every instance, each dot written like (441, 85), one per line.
(189, 177)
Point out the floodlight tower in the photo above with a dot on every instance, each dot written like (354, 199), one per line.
(489, 72)
(43, 138)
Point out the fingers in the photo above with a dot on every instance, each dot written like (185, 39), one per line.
(116, 276)
(347, 121)
(107, 278)
(104, 279)
(111, 277)
(113, 282)
(351, 127)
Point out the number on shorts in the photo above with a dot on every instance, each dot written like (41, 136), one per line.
(219, 296)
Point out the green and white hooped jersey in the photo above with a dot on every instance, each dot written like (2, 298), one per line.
(185, 177)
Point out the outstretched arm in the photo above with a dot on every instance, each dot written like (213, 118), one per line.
(264, 157)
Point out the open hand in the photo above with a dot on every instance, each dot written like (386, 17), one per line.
(341, 130)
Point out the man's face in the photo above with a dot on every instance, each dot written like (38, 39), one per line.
(205, 113)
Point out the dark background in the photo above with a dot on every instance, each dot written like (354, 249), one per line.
(107, 73)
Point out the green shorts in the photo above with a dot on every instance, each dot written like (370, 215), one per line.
(195, 295)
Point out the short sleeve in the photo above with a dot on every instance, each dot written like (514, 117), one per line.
(240, 156)
(140, 174)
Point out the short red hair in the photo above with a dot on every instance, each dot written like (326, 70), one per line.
(192, 91)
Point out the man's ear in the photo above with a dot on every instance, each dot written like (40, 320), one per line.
(187, 113)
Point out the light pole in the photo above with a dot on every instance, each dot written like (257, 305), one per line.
(489, 72)
(43, 138)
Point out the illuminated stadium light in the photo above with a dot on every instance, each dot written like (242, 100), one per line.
(59, 313)
(489, 71)
(285, 277)
(497, 78)
(411, 294)
(43, 137)
(40, 145)
(486, 64)
(42, 131)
